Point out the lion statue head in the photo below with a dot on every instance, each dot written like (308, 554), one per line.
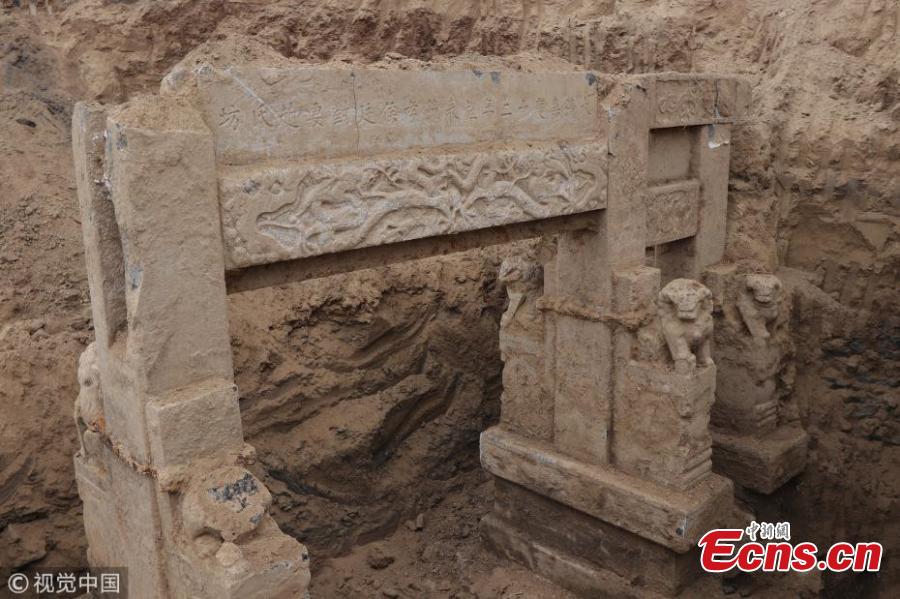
(765, 289)
(686, 298)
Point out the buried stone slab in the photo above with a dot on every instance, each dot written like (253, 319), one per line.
(762, 462)
(672, 518)
(533, 529)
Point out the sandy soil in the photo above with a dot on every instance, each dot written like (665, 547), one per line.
(411, 350)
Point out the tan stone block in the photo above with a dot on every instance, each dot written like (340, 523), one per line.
(283, 112)
(103, 541)
(672, 211)
(629, 139)
(635, 289)
(399, 110)
(259, 113)
(640, 563)
(680, 100)
(194, 422)
(666, 516)
(744, 403)
(713, 151)
(569, 571)
(131, 517)
(760, 462)
(162, 177)
(662, 424)
(581, 399)
(267, 565)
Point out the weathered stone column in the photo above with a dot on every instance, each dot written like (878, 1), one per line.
(757, 438)
(161, 469)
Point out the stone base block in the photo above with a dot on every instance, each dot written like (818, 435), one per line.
(548, 536)
(760, 463)
(672, 518)
(579, 576)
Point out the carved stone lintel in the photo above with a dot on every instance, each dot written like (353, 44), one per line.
(286, 212)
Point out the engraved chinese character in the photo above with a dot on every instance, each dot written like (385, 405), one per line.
(489, 107)
(470, 112)
(265, 113)
(390, 112)
(366, 113)
(555, 109)
(452, 112)
(411, 110)
(337, 116)
(230, 116)
(314, 116)
(767, 531)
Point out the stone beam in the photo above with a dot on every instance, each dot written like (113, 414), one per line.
(303, 269)
(274, 213)
(259, 113)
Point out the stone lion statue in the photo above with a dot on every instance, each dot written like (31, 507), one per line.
(522, 276)
(759, 303)
(685, 317)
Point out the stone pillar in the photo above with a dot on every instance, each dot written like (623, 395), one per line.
(613, 503)
(161, 465)
(758, 440)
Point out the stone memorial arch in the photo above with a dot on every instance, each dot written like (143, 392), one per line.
(237, 177)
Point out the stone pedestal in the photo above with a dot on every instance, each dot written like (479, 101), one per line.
(594, 529)
(663, 432)
(761, 462)
(758, 440)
